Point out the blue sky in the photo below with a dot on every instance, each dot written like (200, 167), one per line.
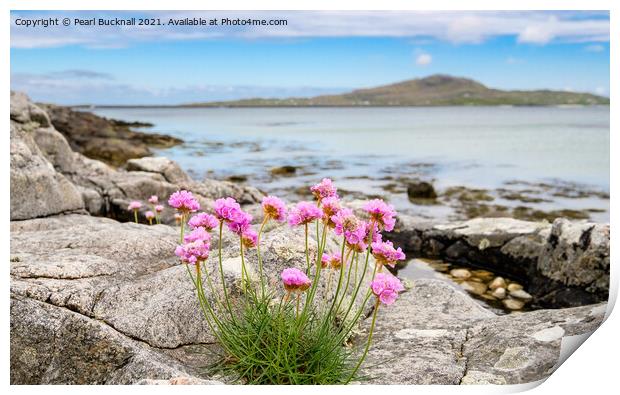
(316, 53)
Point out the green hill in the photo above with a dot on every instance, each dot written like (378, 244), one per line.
(435, 90)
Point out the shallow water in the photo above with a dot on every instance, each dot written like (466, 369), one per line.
(416, 269)
(362, 148)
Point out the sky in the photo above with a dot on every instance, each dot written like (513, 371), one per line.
(316, 52)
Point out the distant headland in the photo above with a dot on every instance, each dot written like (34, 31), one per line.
(434, 90)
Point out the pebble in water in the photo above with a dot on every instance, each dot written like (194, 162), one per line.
(498, 282)
(474, 287)
(441, 267)
(499, 293)
(484, 275)
(520, 294)
(460, 273)
(513, 304)
(488, 296)
(514, 287)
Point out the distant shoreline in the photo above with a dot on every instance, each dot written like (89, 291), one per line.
(433, 91)
(172, 106)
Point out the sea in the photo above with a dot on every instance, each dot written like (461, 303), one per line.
(558, 154)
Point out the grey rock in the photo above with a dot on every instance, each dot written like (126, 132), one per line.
(525, 247)
(422, 333)
(170, 170)
(577, 254)
(525, 347)
(475, 377)
(48, 178)
(53, 345)
(24, 111)
(37, 189)
(437, 335)
(457, 250)
(497, 231)
(123, 278)
(421, 190)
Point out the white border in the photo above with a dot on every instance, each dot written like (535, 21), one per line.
(593, 367)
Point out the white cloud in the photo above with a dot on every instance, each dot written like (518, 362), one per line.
(539, 33)
(537, 27)
(601, 90)
(513, 60)
(85, 87)
(595, 48)
(423, 59)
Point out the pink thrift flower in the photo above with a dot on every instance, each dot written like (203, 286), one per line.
(134, 205)
(274, 208)
(159, 208)
(149, 215)
(154, 199)
(295, 280)
(381, 213)
(193, 252)
(226, 209)
(344, 220)
(184, 201)
(386, 287)
(333, 260)
(249, 238)
(354, 230)
(239, 222)
(198, 234)
(330, 206)
(304, 213)
(324, 189)
(358, 240)
(203, 220)
(385, 254)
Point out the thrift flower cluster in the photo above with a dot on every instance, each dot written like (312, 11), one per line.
(359, 237)
(195, 248)
(295, 280)
(274, 208)
(331, 260)
(324, 189)
(304, 213)
(150, 215)
(386, 287)
(385, 254)
(135, 205)
(184, 201)
(203, 220)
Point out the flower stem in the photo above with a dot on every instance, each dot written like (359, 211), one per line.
(307, 254)
(206, 308)
(244, 275)
(331, 308)
(222, 270)
(372, 327)
(359, 284)
(260, 258)
(329, 283)
(135, 215)
(182, 227)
